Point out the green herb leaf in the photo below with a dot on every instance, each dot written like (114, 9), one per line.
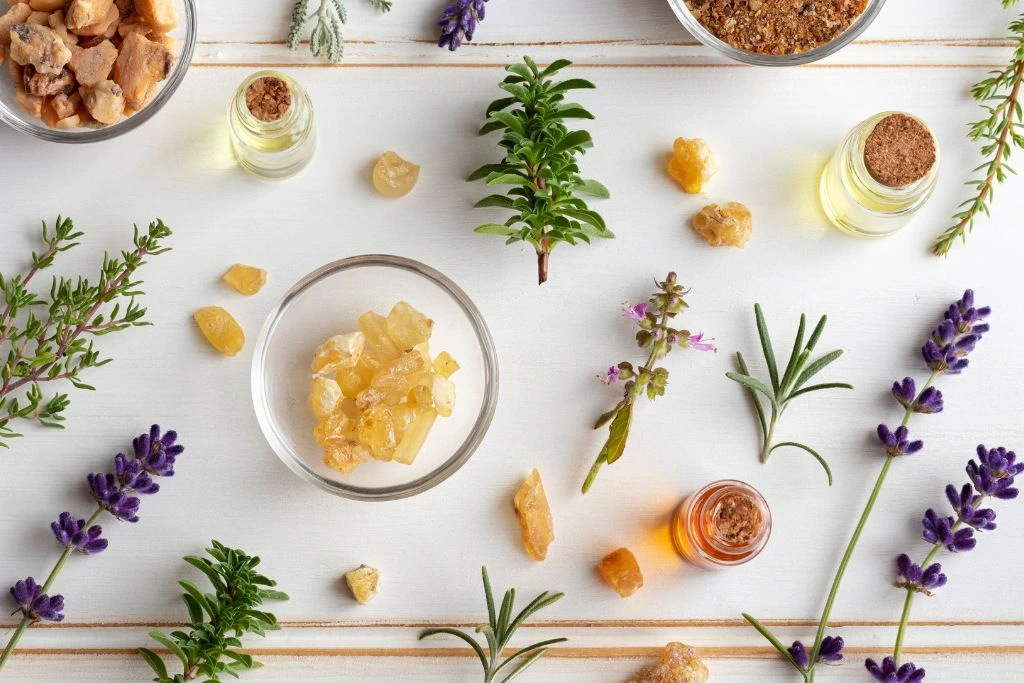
(810, 450)
(754, 384)
(618, 431)
(766, 346)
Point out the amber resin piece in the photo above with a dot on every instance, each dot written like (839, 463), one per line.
(620, 570)
(324, 397)
(140, 65)
(393, 176)
(534, 513)
(363, 582)
(246, 280)
(726, 225)
(338, 352)
(407, 326)
(679, 664)
(692, 164)
(220, 329)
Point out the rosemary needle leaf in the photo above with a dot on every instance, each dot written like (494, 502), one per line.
(766, 346)
(810, 450)
(816, 367)
(753, 384)
(753, 394)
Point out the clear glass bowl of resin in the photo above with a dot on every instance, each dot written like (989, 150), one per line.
(329, 301)
(184, 35)
(698, 31)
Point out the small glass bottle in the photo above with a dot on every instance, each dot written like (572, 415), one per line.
(856, 201)
(276, 142)
(725, 523)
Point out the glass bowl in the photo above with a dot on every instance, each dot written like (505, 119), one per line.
(329, 301)
(184, 41)
(698, 31)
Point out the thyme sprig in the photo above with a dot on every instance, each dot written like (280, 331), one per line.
(541, 163)
(326, 39)
(50, 338)
(790, 384)
(498, 631)
(218, 620)
(999, 132)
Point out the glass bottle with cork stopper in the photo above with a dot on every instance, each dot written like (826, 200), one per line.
(884, 171)
(724, 524)
(273, 130)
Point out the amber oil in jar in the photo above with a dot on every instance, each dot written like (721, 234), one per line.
(875, 200)
(725, 523)
(272, 127)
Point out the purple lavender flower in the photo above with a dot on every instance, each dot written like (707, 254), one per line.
(930, 401)
(132, 475)
(905, 391)
(956, 336)
(638, 312)
(458, 23)
(107, 492)
(831, 649)
(71, 533)
(910, 575)
(939, 530)
(965, 504)
(158, 453)
(887, 672)
(966, 317)
(898, 442)
(799, 654)
(35, 604)
(696, 342)
(994, 472)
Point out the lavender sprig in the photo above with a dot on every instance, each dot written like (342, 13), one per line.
(945, 353)
(458, 22)
(153, 455)
(991, 476)
(656, 334)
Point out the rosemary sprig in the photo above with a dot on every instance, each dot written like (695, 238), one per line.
(541, 163)
(326, 39)
(498, 631)
(999, 131)
(788, 385)
(56, 344)
(218, 620)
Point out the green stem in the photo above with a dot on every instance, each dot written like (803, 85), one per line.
(766, 451)
(25, 621)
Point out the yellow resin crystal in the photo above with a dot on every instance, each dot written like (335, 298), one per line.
(377, 432)
(363, 582)
(335, 426)
(246, 280)
(531, 504)
(393, 176)
(407, 326)
(726, 225)
(679, 664)
(324, 397)
(340, 351)
(375, 328)
(445, 365)
(344, 455)
(692, 164)
(621, 571)
(220, 329)
(415, 435)
(350, 381)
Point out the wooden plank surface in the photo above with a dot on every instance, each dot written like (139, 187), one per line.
(773, 131)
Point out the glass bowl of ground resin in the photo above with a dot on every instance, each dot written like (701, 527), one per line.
(116, 73)
(375, 378)
(773, 33)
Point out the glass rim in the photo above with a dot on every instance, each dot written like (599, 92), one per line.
(443, 471)
(754, 548)
(22, 124)
(702, 34)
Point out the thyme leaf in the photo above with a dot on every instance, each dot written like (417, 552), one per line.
(325, 38)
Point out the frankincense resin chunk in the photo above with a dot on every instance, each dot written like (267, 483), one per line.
(246, 280)
(692, 164)
(393, 176)
(220, 329)
(531, 504)
(727, 225)
(679, 664)
(621, 571)
(363, 582)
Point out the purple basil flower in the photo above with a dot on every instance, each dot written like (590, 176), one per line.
(994, 472)
(108, 494)
(965, 505)
(638, 312)
(697, 342)
(71, 533)
(898, 442)
(132, 475)
(35, 604)
(831, 649)
(939, 530)
(458, 23)
(887, 672)
(910, 575)
(158, 452)
(610, 377)
(799, 654)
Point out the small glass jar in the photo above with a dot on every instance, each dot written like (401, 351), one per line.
(276, 149)
(726, 523)
(860, 205)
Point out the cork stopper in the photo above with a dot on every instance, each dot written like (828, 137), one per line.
(268, 98)
(900, 151)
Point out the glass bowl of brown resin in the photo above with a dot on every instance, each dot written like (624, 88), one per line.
(180, 41)
(742, 38)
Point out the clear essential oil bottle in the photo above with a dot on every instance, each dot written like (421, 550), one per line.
(273, 130)
(726, 523)
(884, 171)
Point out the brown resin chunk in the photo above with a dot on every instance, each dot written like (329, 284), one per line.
(39, 46)
(140, 66)
(15, 15)
(159, 14)
(531, 504)
(93, 65)
(679, 664)
(105, 101)
(621, 571)
(727, 225)
(105, 27)
(268, 98)
(899, 151)
(48, 85)
(82, 13)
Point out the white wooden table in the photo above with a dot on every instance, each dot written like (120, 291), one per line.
(773, 131)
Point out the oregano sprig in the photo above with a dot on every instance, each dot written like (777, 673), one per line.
(541, 163)
(218, 620)
(326, 39)
(787, 385)
(51, 338)
(999, 132)
(498, 631)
